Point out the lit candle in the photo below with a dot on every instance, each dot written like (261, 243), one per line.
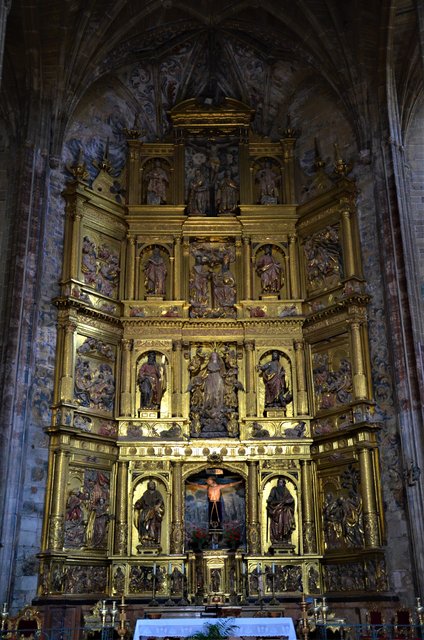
(182, 568)
(169, 568)
(243, 568)
(273, 567)
(154, 568)
(4, 607)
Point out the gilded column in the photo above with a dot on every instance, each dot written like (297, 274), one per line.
(137, 278)
(177, 391)
(121, 527)
(67, 380)
(294, 276)
(349, 260)
(253, 529)
(288, 280)
(302, 396)
(126, 377)
(177, 508)
(359, 379)
(249, 346)
(369, 503)
(75, 249)
(309, 537)
(247, 260)
(177, 269)
(57, 515)
(129, 283)
(186, 268)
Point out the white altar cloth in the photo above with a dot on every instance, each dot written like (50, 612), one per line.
(244, 627)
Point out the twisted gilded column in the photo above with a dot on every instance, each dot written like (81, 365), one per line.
(249, 346)
(302, 396)
(176, 368)
(359, 379)
(67, 379)
(349, 260)
(253, 529)
(309, 537)
(247, 259)
(121, 524)
(294, 276)
(57, 509)
(130, 280)
(177, 508)
(126, 346)
(369, 502)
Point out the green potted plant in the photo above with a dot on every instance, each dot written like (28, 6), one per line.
(219, 630)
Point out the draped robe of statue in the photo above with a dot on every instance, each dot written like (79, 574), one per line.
(280, 510)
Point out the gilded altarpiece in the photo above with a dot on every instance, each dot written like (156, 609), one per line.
(213, 436)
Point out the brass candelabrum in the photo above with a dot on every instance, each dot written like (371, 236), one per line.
(110, 622)
(4, 617)
(304, 622)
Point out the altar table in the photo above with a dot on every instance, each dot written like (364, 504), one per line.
(243, 627)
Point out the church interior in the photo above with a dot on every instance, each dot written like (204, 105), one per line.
(211, 313)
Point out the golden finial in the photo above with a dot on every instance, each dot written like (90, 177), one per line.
(104, 164)
(289, 131)
(318, 161)
(341, 167)
(79, 169)
(134, 132)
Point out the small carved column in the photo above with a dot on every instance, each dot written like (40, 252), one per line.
(186, 268)
(134, 195)
(57, 516)
(121, 527)
(126, 377)
(76, 244)
(177, 508)
(349, 260)
(302, 396)
(249, 346)
(247, 261)
(253, 522)
(130, 279)
(67, 379)
(369, 503)
(137, 274)
(177, 393)
(288, 144)
(177, 269)
(309, 538)
(294, 278)
(359, 379)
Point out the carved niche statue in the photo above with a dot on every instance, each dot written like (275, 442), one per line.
(155, 273)
(198, 195)
(270, 272)
(280, 511)
(213, 394)
(149, 511)
(227, 195)
(268, 181)
(151, 381)
(277, 393)
(212, 286)
(157, 180)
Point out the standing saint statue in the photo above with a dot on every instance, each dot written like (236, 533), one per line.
(277, 393)
(280, 510)
(155, 272)
(198, 195)
(224, 285)
(151, 382)
(227, 195)
(268, 184)
(214, 384)
(148, 515)
(199, 282)
(270, 272)
(157, 183)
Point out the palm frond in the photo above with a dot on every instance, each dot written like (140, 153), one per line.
(220, 630)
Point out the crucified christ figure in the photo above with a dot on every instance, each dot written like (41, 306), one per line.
(214, 494)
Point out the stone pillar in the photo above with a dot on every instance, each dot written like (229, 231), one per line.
(130, 279)
(309, 537)
(121, 524)
(359, 379)
(294, 277)
(177, 269)
(57, 515)
(369, 502)
(67, 379)
(126, 346)
(250, 379)
(177, 387)
(253, 529)
(302, 396)
(4, 12)
(247, 261)
(177, 508)
(349, 260)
